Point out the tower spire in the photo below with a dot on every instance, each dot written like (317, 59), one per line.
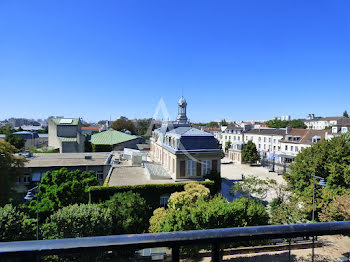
(181, 116)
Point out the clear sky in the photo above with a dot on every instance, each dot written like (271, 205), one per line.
(234, 59)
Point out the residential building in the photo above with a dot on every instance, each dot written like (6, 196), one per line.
(233, 133)
(116, 140)
(296, 141)
(65, 134)
(342, 127)
(321, 123)
(183, 151)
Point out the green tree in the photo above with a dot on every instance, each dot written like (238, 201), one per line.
(121, 124)
(14, 225)
(337, 210)
(61, 188)
(295, 123)
(144, 127)
(259, 188)
(10, 168)
(329, 159)
(250, 153)
(216, 177)
(223, 122)
(15, 140)
(228, 146)
(213, 124)
(287, 212)
(345, 114)
(129, 213)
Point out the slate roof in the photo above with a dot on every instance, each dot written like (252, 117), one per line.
(267, 131)
(233, 126)
(111, 137)
(343, 122)
(190, 138)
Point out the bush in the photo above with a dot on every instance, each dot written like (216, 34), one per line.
(130, 213)
(79, 221)
(151, 193)
(216, 177)
(101, 148)
(14, 225)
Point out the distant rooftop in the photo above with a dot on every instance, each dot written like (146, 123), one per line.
(66, 121)
(111, 137)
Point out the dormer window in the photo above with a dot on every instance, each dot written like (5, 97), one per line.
(296, 138)
(315, 139)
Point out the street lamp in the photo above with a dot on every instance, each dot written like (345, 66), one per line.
(29, 197)
(321, 183)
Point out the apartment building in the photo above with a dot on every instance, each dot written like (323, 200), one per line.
(342, 127)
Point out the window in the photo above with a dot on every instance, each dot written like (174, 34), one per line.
(164, 200)
(23, 179)
(225, 137)
(274, 147)
(206, 167)
(264, 146)
(269, 140)
(274, 140)
(251, 138)
(259, 139)
(296, 149)
(191, 168)
(234, 138)
(264, 139)
(259, 146)
(286, 148)
(238, 138)
(99, 175)
(291, 148)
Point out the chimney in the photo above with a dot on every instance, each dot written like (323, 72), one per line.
(288, 129)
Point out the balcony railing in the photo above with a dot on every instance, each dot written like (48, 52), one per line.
(173, 240)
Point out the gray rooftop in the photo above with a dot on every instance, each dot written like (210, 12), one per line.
(66, 159)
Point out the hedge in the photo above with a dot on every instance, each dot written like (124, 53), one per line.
(151, 193)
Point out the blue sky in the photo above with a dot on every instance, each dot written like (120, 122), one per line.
(232, 59)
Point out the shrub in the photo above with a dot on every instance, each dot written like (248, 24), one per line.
(79, 221)
(216, 177)
(151, 193)
(14, 225)
(101, 148)
(130, 213)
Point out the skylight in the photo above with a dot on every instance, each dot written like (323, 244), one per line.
(66, 121)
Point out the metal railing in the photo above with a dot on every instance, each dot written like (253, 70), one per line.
(173, 240)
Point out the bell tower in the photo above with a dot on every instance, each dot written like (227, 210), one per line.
(181, 116)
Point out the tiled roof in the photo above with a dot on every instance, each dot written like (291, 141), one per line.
(111, 137)
(91, 128)
(57, 121)
(305, 135)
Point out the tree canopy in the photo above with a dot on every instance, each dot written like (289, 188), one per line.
(10, 168)
(121, 124)
(329, 159)
(345, 114)
(61, 188)
(250, 153)
(144, 127)
(295, 123)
